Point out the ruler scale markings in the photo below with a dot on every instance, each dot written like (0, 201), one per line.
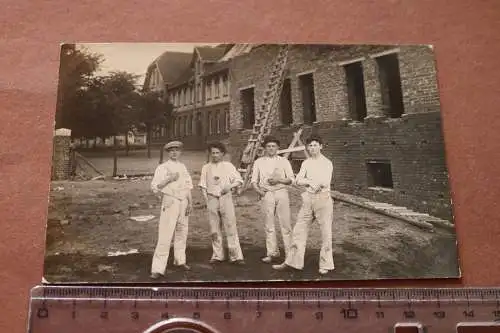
(461, 305)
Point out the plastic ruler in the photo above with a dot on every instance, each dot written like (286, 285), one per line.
(71, 309)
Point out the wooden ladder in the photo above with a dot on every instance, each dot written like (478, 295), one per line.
(265, 115)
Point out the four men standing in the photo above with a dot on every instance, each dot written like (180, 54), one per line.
(271, 175)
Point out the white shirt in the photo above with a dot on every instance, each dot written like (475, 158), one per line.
(318, 170)
(215, 176)
(271, 167)
(179, 188)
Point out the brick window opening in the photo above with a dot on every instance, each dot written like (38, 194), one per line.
(356, 91)
(379, 174)
(390, 85)
(286, 103)
(247, 98)
(306, 84)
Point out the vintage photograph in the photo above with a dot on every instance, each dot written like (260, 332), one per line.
(178, 162)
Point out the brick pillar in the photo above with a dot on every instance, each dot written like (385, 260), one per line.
(61, 155)
(374, 103)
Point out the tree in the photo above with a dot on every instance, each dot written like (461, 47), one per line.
(76, 70)
(152, 110)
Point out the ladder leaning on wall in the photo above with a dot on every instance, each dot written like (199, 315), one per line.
(265, 115)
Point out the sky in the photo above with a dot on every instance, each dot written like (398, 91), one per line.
(133, 57)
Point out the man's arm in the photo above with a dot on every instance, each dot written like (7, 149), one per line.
(289, 177)
(255, 179)
(160, 180)
(203, 182)
(301, 179)
(234, 178)
(189, 207)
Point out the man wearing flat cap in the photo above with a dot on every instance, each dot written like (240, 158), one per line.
(174, 184)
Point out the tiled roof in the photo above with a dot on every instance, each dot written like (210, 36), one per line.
(215, 68)
(237, 50)
(211, 54)
(171, 66)
(185, 77)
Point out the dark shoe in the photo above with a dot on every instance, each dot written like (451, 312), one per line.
(156, 276)
(184, 267)
(240, 262)
(215, 261)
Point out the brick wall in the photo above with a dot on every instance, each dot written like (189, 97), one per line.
(413, 143)
(61, 157)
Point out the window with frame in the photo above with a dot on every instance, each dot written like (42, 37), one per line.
(209, 90)
(210, 124)
(200, 93)
(217, 87)
(217, 122)
(228, 119)
(193, 124)
(225, 85)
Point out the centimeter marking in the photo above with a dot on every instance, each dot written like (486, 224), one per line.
(407, 295)
(359, 307)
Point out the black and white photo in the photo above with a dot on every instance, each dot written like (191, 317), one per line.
(218, 162)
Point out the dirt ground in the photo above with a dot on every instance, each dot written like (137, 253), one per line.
(89, 219)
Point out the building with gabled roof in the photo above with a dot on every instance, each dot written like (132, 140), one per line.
(200, 96)
(165, 70)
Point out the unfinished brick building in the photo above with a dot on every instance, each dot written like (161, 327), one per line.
(377, 108)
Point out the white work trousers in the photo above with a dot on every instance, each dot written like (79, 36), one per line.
(173, 219)
(277, 203)
(319, 207)
(221, 214)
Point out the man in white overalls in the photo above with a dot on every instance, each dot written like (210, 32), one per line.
(270, 176)
(315, 175)
(174, 184)
(218, 179)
